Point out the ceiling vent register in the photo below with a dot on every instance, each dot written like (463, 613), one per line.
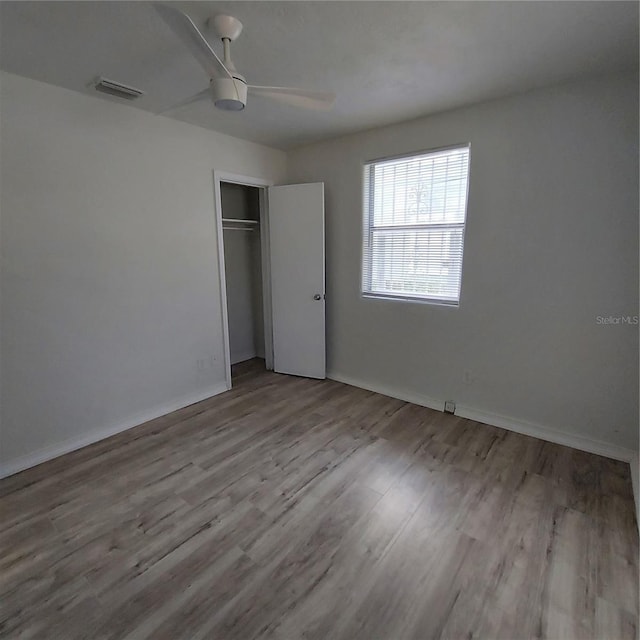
(117, 89)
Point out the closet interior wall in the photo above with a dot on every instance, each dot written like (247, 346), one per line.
(243, 271)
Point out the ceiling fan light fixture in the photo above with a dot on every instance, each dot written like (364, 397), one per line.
(229, 105)
(229, 94)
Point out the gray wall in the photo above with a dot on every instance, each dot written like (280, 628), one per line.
(110, 287)
(243, 272)
(551, 244)
(111, 294)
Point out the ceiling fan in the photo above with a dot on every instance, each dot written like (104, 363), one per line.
(227, 88)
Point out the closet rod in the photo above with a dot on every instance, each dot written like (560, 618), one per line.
(237, 228)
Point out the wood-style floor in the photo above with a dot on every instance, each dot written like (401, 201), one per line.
(290, 508)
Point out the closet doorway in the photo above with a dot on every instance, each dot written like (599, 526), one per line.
(271, 265)
(243, 269)
(244, 281)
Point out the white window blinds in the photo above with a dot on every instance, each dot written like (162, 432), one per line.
(413, 234)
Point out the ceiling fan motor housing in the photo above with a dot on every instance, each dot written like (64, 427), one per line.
(229, 94)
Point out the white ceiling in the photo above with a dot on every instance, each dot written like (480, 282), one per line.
(386, 61)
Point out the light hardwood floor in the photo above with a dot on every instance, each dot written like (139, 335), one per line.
(290, 508)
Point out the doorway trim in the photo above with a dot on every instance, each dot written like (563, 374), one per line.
(262, 185)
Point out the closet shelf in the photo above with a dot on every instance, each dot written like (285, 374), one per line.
(239, 221)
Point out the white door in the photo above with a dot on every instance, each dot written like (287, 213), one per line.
(296, 235)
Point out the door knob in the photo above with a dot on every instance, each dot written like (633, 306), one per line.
(317, 297)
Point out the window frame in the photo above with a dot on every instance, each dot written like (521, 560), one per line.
(367, 216)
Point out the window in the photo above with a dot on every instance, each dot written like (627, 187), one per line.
(414, 215)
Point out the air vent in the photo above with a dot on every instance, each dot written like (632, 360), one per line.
(116, 89)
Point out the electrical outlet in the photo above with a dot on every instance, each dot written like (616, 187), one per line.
(467, 377)
(449, 406)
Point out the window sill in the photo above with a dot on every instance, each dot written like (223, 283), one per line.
(430, 301)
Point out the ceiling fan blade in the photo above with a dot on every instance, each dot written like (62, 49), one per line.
(297, 97)
(184, 27)
(201, 95)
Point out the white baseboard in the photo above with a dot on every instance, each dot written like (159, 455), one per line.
(549, 434)
(573, 440)
(423, 401)
(95, 435)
